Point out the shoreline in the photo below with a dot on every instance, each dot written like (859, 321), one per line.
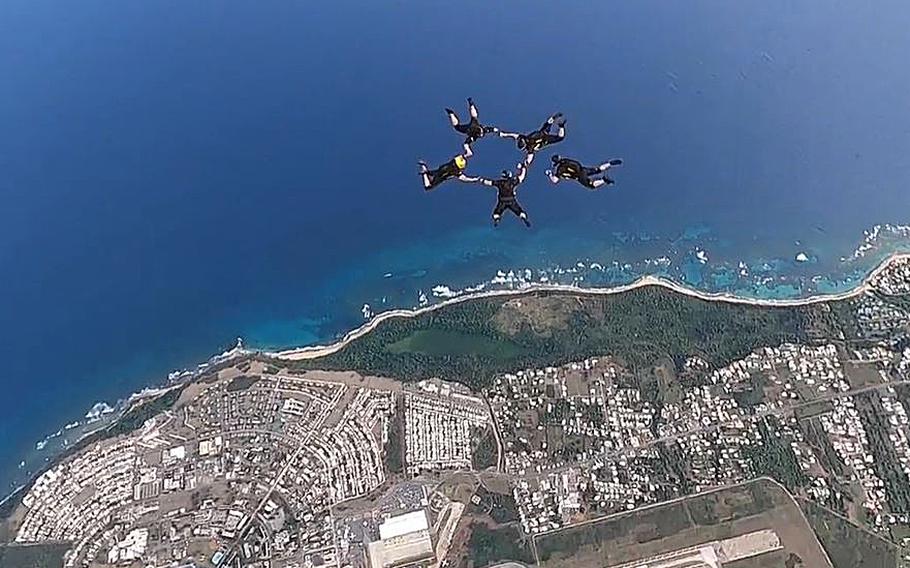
(316, 351)
(135, 400)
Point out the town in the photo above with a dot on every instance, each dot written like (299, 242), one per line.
(257, 465)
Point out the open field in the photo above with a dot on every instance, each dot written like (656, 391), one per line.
(684, 523)
(32, 556)
(849, 546)
(434, 342)
(472, 342)
(490, 546)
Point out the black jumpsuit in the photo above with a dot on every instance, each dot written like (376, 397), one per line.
(473, 129)
(506, 199)
(540, 138)
(444, 172)
(567, 168)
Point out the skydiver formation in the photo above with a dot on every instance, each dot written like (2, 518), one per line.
(507, 185)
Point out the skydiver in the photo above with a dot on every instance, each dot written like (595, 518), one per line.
(453, 169)
(567, 168)
(473, 129)
(540, 138)
(506, 187)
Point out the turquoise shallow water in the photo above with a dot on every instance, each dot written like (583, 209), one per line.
(701, 259)
(173, 177)
(417, 275)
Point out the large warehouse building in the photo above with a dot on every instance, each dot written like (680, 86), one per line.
(403, 539)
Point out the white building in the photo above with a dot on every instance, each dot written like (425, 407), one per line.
(403, 539)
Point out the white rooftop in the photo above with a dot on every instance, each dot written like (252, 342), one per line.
(403, 524)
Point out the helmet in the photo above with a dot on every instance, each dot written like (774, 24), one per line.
(506, 174)
(554, 158)
(521, 141)
(461, 161)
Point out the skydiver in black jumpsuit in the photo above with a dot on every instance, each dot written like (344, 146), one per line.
(473, 129)
(453, 169)
(567, 168)
(506, 187)
(540, 138)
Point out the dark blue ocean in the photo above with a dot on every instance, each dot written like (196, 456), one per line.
(177, 174)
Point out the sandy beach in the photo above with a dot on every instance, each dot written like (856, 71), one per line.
(316, 351)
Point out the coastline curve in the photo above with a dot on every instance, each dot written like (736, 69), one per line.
(318, 351)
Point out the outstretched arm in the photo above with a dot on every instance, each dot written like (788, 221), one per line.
(475, 179)
(512, 135)
(522, 171)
